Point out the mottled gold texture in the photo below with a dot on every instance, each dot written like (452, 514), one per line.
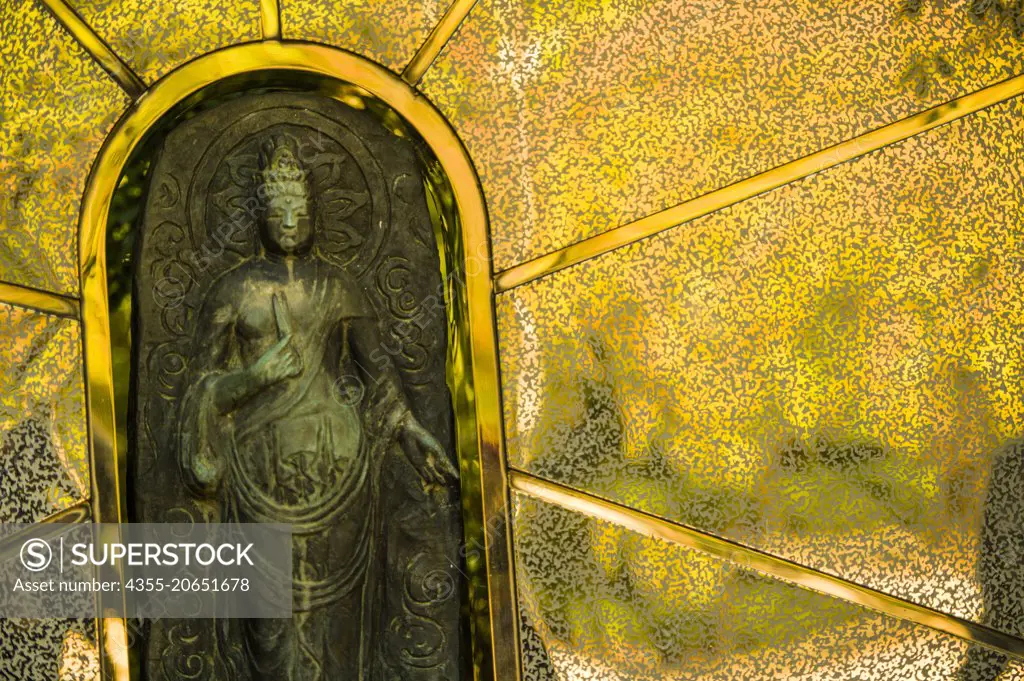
(598, 601)
(11, 543)
(42, 415)
(56, 106)
(584, 116)
(767, 564)
(79, 655)
(154, 37)
(827, 372)
(752, 186)
(48, 649)
(387, 32)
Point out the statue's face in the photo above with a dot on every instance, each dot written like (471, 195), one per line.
(288, 224)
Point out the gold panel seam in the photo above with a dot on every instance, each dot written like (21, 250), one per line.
(270, 19)
(750, 187)
(78, 513)
(122, 74)
(11, 544)
(435, 42)
(768, 564)
(41, 301)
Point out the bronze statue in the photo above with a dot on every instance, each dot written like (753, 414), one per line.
(269, 424)
(298, 377)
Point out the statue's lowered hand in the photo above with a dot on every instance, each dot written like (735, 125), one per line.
(278, 363)
(427, 455)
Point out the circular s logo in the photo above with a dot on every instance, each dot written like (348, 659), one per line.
(36, 555)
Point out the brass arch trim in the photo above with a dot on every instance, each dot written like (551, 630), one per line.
(465, 258)
(41, 301)
(270, 19)
(758, 184)
(768, 564)
(122, 74)
(435, 42)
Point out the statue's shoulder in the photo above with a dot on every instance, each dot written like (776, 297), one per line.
(334, 272)
(346, 287)
(227, 286)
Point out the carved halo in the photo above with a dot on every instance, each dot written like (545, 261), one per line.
(350, 195)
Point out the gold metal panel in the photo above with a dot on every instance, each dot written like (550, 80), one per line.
(48, 649)
(598, 601)
(387, 32)
(155, 37)
(584, 116)
(767, 564)
(56, 106)
(42, 415)
(758, 184)
(828, 372)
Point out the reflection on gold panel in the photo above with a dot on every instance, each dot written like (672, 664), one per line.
(387, 32)
(48, 649)
(585, 116)
(830, 372)
(56, 106)
(155, 37)
(43, 451)
(601, 602)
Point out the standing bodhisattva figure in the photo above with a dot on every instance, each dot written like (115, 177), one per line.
(264, 429)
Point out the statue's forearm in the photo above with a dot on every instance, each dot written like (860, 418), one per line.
(233, 389)
(378, 368)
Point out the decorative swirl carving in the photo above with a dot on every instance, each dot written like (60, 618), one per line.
(166, 193)
(420, 638)
(410, 314)
(394, 280)
(183, 657)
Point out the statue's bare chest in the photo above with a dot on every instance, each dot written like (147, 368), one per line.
(269, 310)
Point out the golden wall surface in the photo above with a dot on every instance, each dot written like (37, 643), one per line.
(582, 116)
(42, 415)
(155, 37)
(825, 372)
(602, 602)
(387, 32)
(819, 384)
(57, 106)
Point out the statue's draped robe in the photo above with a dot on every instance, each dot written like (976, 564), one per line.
(301, 452)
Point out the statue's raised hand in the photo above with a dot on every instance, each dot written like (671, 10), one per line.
(281, 361)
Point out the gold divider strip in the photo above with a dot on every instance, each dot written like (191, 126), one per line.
(96, 47)
(270, 19)
(773, 566)
(43, 301)
(79, 513)
(436, 41)
(11, 544)
(758, 184)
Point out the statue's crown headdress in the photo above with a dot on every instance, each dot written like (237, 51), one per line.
(281, 173)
